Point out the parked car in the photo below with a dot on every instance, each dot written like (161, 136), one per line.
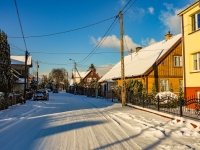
(41, 95)
(48, 89)
(55, 90)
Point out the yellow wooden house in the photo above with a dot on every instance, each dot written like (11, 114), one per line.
(160, 63)
(190, 25)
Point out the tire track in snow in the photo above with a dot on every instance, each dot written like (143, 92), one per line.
(158, 131)
(112, 132)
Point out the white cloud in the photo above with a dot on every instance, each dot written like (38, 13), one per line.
(138, 13)
(147, 41)
(114, 43)
(170, 19)
(122, 2)
(151, 10)
(102, 70)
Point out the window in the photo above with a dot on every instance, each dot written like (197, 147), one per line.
(177, 61)
(181, 83)
(198, 94)
(196, 61)
(88, 79)
(196, 21)
(163, 85)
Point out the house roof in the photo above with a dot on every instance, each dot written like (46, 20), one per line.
(141, 61)
(189, 8)
(20, 60)
(84, 74)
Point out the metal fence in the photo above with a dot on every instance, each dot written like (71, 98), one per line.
(187, 107)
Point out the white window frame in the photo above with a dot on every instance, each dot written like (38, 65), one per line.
(197, 63)
(177, 61)
(165, 83)
(198, 94)
(195, 21)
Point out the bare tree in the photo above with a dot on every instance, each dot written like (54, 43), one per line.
(58, 75)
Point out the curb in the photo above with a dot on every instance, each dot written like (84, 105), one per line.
(193, 123)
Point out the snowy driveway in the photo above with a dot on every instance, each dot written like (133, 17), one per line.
(73, 122)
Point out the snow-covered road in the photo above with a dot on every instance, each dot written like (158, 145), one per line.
(73, 122)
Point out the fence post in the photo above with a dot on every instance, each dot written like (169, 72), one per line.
(143, 100)
(112, 95)
(181, 108)
(158, 99)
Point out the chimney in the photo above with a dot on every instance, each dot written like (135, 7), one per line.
(138, 48)
(168, 36)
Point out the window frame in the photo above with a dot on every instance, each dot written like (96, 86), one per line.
(198, 95)
(195, 21)
(196, 65)
(179, 62)
(166, 87)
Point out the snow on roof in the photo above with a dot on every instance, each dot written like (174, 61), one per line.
(84, 74)
(20, 60)
(141, 61)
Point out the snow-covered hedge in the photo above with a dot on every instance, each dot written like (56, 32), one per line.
(167, 98)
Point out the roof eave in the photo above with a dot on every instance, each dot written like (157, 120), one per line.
(188, 8)
(163, 57)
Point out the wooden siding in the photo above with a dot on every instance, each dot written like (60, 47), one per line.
(166, 67)
(92, 74)
(164, 70)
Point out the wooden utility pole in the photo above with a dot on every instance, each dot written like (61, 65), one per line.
(74, 72)
(25, 75)
(123, 91)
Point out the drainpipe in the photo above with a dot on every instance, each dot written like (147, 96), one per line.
(183, 47)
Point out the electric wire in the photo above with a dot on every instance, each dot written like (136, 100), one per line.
(100, 40)
(67, 31)
(126, 5)
(99, 44)
(71, 53)
(20, 24)
(130, 6)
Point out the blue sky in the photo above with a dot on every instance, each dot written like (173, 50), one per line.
(146, 22)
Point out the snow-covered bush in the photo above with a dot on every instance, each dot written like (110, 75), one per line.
(167, 99)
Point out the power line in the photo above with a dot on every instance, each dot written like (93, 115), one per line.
(20, 24)
(100, 40)
(103, 39)
(48, 63)
(67, 31)
(126, 5)
(130, 6)
(70, 53)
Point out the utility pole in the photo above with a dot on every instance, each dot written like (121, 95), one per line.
(74, 72)
(67, 81)
(37, 66)
(25, 75)
(123, 92)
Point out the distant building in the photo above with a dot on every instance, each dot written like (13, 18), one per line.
(86, 77)
(18, 67)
